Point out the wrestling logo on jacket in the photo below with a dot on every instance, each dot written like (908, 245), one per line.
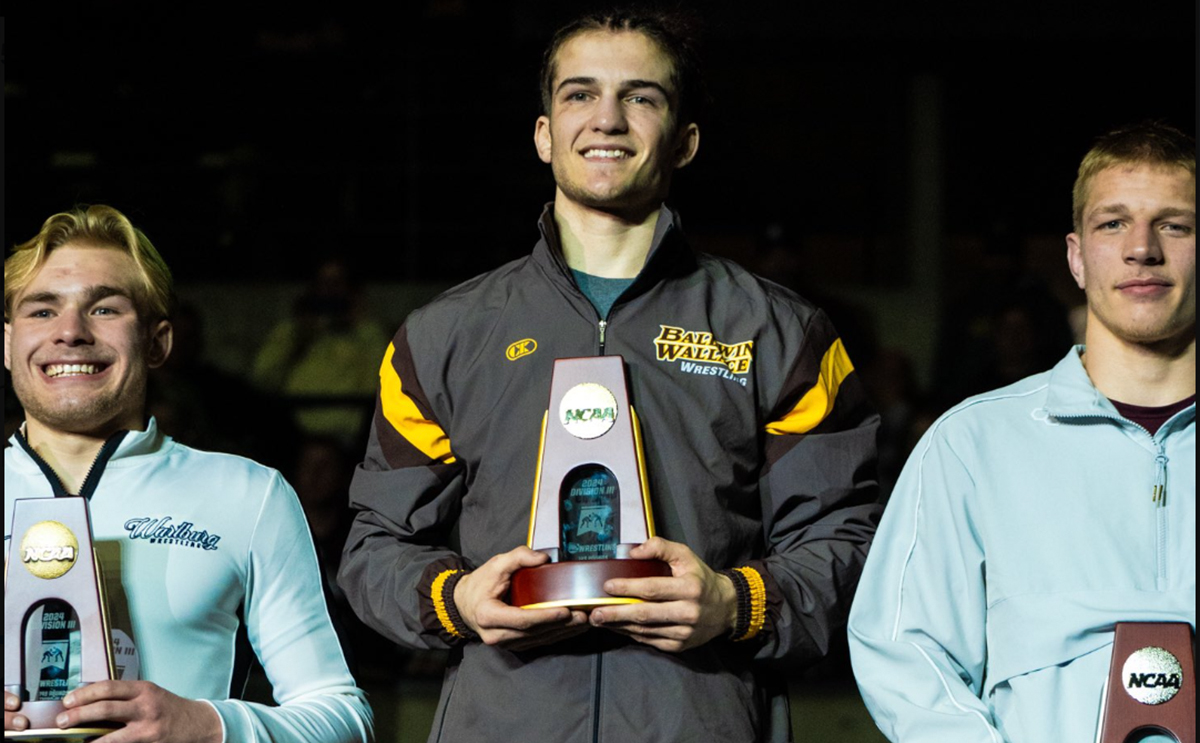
(164, 531)
(697, 352)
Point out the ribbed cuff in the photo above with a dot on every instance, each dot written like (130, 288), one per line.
(751, 603)
(443, 603)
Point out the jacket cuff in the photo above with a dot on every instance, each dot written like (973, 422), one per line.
(751, 602)
(439, 613)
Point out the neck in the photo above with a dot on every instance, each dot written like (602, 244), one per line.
(1151, 375)
(70, 455)
(600, 243)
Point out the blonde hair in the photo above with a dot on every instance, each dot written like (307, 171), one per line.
(1147, 143)
(101, 226)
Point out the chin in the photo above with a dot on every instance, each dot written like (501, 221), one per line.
(1158, 336)
(615, 200)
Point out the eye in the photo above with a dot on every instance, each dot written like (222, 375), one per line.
(1177, 229)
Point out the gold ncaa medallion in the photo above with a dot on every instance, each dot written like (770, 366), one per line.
(49, 549)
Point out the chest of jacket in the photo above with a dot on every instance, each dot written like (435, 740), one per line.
(697, 379)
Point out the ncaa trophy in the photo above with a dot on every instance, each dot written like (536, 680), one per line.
(51, 565)
(590, 500)
(1151, 683)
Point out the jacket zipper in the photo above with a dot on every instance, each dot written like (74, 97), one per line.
(1160, 498)
(1160, 477)
(603, 327)
(1158, 492)
(596, 700)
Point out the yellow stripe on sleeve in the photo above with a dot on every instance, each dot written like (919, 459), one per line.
(817, 403)
(400, 410)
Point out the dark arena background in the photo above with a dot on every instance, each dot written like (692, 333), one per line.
(906, 165)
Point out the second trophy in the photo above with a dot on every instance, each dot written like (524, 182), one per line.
(591, 505)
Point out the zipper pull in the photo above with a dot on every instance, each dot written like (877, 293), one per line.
(603, 326)
(1160, 480)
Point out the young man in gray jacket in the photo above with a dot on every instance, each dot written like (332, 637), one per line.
(759, 443)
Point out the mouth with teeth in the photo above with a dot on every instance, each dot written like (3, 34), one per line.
(58, 371)
(599, 154)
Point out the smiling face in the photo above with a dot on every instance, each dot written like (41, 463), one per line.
(1135, 255)
(76, 347)
(611, 137)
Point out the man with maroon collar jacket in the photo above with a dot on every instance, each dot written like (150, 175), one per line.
(1031, 520)
(759, 443)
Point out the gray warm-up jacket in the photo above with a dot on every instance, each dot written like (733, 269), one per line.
(760, 453)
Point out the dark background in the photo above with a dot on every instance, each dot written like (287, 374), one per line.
(248, 144)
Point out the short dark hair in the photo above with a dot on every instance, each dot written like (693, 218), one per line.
(676, 32)
(1145, 143)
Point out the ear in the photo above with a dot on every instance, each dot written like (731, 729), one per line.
(161, 339)
(7, 342)
(541, 138)
(1075, 259)
(689, 143)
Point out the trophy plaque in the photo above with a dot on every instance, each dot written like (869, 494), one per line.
(590, 500)
(51, 565)
(1151, 683)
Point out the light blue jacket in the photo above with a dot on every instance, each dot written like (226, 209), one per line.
(191, 544)
(1022, 529)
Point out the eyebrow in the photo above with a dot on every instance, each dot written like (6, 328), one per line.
(1165, 213)
(1109, 209)
(625, 84)
(1174, 211)
(91, 295)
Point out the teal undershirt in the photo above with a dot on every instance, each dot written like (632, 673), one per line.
(600, 291)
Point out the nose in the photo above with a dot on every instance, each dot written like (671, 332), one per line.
(1143, 246)
(609, 115)
(74, 329)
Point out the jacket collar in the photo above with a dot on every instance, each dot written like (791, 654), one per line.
(1071, 391)
(669, 252)
(1072, 394)
(132, 444)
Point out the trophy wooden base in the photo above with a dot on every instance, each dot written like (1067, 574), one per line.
(42, 727)
(579, 584)
(70, 735)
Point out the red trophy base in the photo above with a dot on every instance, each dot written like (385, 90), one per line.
(43, 728)
(579, 584)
